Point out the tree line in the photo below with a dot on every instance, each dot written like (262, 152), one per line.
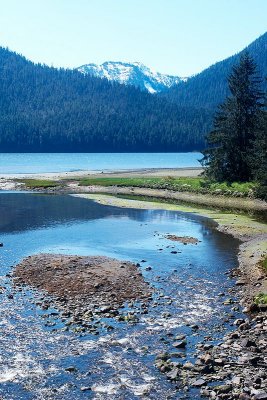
(48, 109)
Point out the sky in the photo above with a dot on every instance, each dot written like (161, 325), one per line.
(178, 37)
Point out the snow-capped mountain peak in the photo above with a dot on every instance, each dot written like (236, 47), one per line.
(135, 73)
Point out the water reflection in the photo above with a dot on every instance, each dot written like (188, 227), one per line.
(34, 358)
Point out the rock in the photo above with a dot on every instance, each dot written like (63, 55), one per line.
(188, 365)
(240, 282)
(105, 309)
(257, 380)
(173, 374)
(166, 315)
(85, 388)
(71, 369)
(248, 343)
(180, 345)
(223, 388)
(199, 382)
(236, 380)
(207, 346)
(254, 360)
(180, 337)
(239, 321)
(205, 393)
(228, 302)
(163, 356)
(177, 355)
(204, 369)
(244, 396)
(234, 335)
(207, 359)
(218, 361)
(245, 326)
(260, 396)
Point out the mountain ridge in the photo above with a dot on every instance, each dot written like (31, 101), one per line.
(135, 74)
(209, 88)
(44, 109)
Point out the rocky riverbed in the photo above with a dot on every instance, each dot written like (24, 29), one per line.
(83, 286)
(229, 367)
(86, 287)
(233, 369)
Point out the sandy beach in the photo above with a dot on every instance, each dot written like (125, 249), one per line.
(127, 173)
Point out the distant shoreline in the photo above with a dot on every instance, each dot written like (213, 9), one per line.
(139, 172)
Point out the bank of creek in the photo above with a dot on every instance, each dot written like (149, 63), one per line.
(161, 338)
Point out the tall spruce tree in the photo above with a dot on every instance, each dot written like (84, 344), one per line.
(258, 160)
(236, 126)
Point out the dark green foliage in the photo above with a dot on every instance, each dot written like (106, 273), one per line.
(46, 109)
(209, 88)
(258, 160)
(237, 142)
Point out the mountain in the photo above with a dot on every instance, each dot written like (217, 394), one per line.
(135, 74)
(58, 110)
(209, 88)
(48, 109)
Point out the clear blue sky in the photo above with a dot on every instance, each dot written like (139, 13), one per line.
(180, 37)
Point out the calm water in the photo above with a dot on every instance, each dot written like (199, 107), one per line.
(20, 163)
(117, 365)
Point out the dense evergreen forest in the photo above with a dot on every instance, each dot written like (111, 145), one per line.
(209, 88)
(238, 141)
(48, 109)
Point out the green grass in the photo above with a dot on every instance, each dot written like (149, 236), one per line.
(264, 264)
(38, 183)
(261, 298)
(195, 185)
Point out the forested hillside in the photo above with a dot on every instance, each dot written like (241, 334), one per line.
(209, 88)
(46, 109)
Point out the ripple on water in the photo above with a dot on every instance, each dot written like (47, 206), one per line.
(35, 361)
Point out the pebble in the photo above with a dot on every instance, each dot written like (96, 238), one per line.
(180, 345)
(199, 383)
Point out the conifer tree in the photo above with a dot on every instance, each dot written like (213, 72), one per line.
(258, 160)
(236, 126)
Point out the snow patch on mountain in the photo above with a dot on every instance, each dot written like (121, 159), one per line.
(136, 74)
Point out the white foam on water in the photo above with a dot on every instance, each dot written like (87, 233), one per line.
(136, 389)
(113, 341)
(108, 389)
(7, 375)
(148, 378)
(162, 323)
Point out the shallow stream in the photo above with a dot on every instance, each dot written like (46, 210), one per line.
(40, 360)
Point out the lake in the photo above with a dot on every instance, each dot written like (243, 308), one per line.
(36, 350)
(16, 163)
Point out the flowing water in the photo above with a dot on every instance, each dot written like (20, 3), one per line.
(40, 360)
(22, 163)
